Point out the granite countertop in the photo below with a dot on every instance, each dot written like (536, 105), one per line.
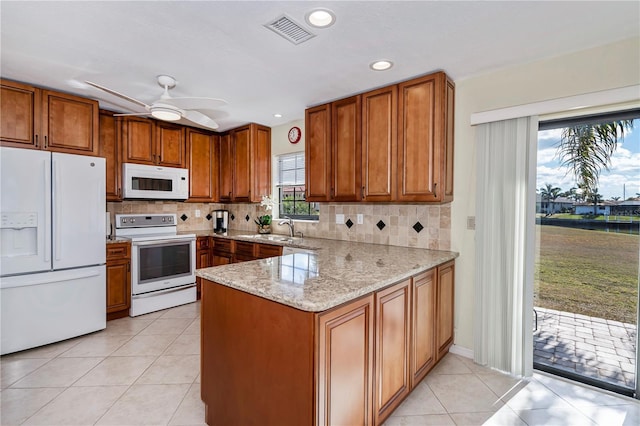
(334, 273)
(113, 240)
(274, 239)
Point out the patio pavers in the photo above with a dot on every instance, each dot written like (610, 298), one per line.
(595, 347)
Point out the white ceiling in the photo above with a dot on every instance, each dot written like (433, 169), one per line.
(221, 49)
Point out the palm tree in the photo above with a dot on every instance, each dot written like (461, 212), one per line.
(615, 198)
(594, 197)
(587, 148)
(550, 193)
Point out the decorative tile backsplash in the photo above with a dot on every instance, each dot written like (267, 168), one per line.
(409, 225)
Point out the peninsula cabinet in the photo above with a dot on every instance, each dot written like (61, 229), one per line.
(203, 259)
(251, 164)
(118, 280)
(352, 364)
(152, 142)
(203, 153)
(111, 152)
(35, 118)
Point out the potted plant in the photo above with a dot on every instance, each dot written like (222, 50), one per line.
(264, 221)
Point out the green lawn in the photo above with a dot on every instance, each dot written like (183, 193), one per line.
(592, 273)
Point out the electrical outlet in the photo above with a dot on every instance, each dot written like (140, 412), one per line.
(339, 219)
(360, 219)
(197, 213)
(471, 222)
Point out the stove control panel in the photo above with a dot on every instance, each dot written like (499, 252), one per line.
(145, 220)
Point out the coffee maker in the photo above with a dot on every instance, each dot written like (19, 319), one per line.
(221, 221)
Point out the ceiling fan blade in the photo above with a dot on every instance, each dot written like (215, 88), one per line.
(201, 119)
(133, 114)
(195, 103)
(118, 94)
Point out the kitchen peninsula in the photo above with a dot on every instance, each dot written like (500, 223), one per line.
(337, 335)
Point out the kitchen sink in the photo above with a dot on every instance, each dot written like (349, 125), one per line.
(270, 237)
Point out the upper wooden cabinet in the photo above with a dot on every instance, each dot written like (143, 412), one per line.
(346, 150)
(43, 119)
(425, 139)
(226, 168)
(318, 153)
(147, 141)
(379, 144)
(245, 164)
(390, 144)
(109, 138)
(203, 151)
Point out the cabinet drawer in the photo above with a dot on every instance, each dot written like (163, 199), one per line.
(244, 249)
(268, 250)
(202, 243)
(222, 245)
(118, 251)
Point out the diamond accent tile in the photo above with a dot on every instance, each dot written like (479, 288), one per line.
(233, 217)
(247, 218)
(380, 225)
(209, 217)
(349, 223)
(184, 217)
(418, 227)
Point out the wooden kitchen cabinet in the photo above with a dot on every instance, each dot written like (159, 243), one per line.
(226, 168)
(109, 137)
(423, 329)
(345, 364)
(346, 150)
(251, 164)
(118, 280)
(203, 153)
(425, 139)
(203, 259)
(394, 144)
(318, 153)
(43, 119)
(243, 251)
(379, 144)
(392, 342)
(444, 310)
(222, 251)
(152, 142)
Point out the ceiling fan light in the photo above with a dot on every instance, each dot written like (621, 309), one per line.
(166, 114)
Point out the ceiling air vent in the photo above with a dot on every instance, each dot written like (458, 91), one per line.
(289, 29)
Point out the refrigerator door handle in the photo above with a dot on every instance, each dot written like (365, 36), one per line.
(47, 278)
(56, 211)
(46, 165)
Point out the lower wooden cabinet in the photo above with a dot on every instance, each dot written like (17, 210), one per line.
(118, 280)
(203, 259)
(345, 364)
(392, 343)
(423, 350)
(444, 310)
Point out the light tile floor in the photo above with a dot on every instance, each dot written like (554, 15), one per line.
(144, 370)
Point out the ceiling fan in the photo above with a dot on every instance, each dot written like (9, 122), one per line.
(172, 109)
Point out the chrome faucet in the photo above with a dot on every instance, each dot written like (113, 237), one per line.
(288, 221)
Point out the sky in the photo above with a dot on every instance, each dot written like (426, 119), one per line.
(624, 169)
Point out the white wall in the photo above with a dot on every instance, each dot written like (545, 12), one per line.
(280, 145)
(601, 68)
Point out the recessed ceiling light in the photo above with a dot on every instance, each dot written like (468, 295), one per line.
(381, 65)
(320, 18)
(277, 115)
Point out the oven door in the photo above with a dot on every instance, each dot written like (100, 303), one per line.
(162, 264)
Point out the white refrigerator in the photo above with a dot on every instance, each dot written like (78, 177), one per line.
(52, 247)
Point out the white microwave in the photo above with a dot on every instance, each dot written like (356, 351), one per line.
(152, 182)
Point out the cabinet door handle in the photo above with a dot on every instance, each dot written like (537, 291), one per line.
(362, 193)
(435, 194)
(129, 267)
(36, 141)
(332, 193)
(45, 141)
